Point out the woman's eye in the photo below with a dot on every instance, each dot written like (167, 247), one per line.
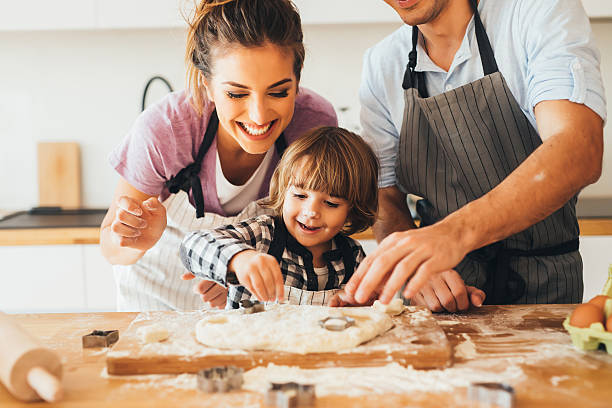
(234, 95)
(331, 204)
(281, 94)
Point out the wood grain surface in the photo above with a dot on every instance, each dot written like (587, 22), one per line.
(485, 340)
(59, 174)
(416, 340)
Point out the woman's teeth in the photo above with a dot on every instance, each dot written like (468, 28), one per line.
(255, 131)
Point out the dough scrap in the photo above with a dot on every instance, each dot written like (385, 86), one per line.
(395, 306)
(291, 328)
(153, 333)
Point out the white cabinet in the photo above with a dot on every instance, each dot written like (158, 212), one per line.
(596, 254)
(121, 14)
(55, 278)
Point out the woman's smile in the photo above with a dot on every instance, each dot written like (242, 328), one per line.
(256, 132)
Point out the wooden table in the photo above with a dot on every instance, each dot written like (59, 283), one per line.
(489, 339)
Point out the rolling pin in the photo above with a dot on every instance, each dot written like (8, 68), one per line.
(29, 371)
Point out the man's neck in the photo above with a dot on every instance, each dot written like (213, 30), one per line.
(444, 34)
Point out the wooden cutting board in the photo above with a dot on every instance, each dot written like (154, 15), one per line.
(416, 339)
(59, 174)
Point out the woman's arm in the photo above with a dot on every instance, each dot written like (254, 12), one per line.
(133, 224)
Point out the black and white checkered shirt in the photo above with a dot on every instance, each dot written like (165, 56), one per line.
(206, 254)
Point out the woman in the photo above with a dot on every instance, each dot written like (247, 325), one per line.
(220, 142)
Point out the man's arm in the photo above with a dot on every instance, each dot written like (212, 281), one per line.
(393, 213)
(569, 159)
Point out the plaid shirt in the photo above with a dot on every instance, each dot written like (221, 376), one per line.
(207, 254)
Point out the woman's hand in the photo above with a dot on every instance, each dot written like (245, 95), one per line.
(138, 225)
(259, 273)
(211, 293)
(447, 292)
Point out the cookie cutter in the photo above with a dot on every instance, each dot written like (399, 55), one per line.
(337, 323)
(249, 307)
(290, 395)
(100, 338)
(498, 394)
(220, 379)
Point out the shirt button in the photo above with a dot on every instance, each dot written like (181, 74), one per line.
(448, 88)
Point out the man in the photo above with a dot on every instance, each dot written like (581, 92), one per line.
(495, 118)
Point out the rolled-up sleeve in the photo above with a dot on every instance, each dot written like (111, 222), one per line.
(377, 125)
(562, 59)
(207, 254)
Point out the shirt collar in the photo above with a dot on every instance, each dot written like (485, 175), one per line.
(464, 53)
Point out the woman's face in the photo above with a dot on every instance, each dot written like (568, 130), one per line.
(254, 91)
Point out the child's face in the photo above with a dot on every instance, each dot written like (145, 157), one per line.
(313, 218)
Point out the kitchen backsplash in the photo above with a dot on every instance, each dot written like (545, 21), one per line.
(86, 86)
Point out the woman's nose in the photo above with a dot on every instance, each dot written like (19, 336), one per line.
(257, 111)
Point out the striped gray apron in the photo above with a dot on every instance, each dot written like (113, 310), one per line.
(457, 146)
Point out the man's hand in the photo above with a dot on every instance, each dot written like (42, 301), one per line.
(138, 225)
(418, 255)
(447, 292)
(211, 293)
(259, 273)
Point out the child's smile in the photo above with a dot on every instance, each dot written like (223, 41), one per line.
(313, 218)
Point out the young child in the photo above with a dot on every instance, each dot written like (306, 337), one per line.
(324, 189)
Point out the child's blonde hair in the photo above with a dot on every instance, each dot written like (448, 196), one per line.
(337, 162)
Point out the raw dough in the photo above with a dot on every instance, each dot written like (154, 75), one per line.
(395, 307)
(153, 333)
(290, 328)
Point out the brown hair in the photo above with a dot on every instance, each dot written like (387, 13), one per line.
(250, 23)
(339, 163)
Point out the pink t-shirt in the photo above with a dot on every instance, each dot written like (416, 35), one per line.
(166, 138)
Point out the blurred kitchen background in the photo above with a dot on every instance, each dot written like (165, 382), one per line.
(75, 70)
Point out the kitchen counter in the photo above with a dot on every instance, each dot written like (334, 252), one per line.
(527, 340)
(594, 218)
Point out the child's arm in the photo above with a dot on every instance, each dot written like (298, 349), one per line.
(213, 255)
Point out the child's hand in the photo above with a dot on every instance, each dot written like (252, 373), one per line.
(210, 292)
(259, 273)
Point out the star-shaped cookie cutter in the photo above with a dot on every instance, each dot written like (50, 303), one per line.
(220, 379)
(249, 307)
(290, 395)
(337, 323)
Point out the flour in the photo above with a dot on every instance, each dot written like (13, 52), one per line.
(466, 349)
(292, 328)
(556, 380)
(389, 379)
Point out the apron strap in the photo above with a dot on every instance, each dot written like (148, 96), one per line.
(189, 177)
(489, 65)
(281, 240)
(416, 79)
(347, 257)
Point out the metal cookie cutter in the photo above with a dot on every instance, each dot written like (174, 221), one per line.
(337, 323)
(220, 379)
(498, 394)
(249, 307)
(100, 338)
(290, 395)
